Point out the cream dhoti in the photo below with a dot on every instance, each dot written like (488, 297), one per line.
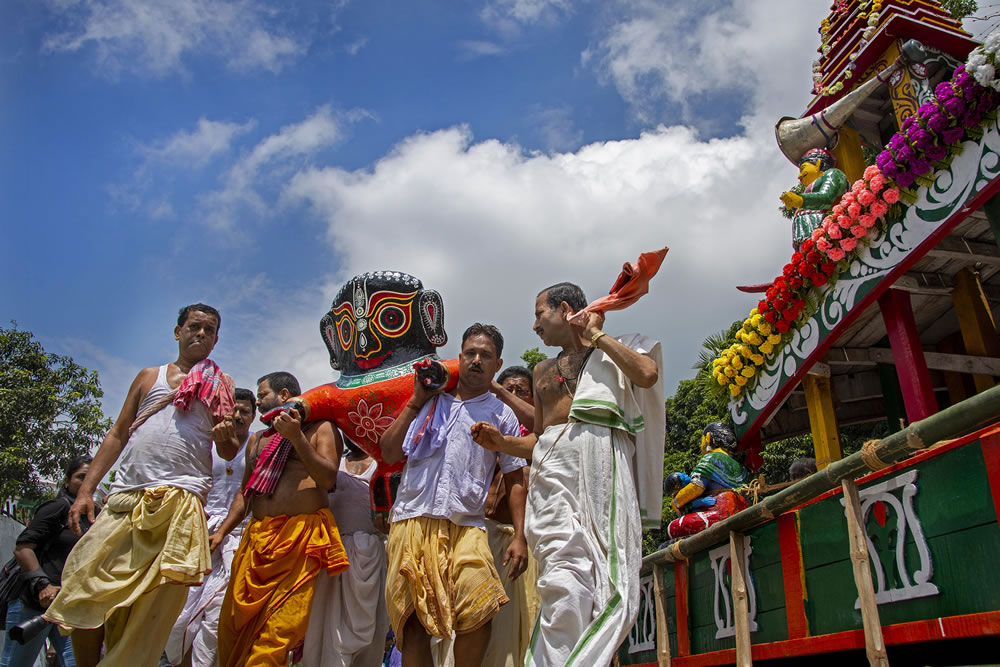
(594, 483)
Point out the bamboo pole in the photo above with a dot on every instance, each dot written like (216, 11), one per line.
(902, 444)
(662, 631)
(874, 643)
(738, 585)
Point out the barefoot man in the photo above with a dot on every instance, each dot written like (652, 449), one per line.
(291, 538)
(599, 426)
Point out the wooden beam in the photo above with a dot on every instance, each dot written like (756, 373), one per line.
(911, 366)
(975, 321)
(937, 284)
(820, 369)
(992, 210)
(822, 420)
(741, 600)
(951, 247)
(662, 631)
(681, 609)
(874, 643)
(939, 361)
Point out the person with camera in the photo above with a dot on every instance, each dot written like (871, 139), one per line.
(41, 551)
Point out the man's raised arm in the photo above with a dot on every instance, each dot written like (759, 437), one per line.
(110, 449)
(639, 368)
(391, 442)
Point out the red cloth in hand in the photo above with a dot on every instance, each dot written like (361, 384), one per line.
(631, 284)
(207, 383)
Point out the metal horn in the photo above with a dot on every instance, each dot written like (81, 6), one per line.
(797, 135)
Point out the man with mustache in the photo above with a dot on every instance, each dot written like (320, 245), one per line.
(599, 430)
(125, 582)
(195, 637)
(442, 582)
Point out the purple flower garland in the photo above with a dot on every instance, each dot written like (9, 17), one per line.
(926, 137)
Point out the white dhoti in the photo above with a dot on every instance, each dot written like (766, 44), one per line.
(511, 628)
(349, 620)
(197, 628)
(588, 500)
(583, 526)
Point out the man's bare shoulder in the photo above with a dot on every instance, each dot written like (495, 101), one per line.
(323, 428)
(543, 367)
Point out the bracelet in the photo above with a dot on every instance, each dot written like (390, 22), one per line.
(596, 337)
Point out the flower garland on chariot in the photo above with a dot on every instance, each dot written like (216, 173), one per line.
(926, 141)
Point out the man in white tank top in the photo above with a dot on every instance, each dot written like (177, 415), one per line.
(195, 637)
(127, 578)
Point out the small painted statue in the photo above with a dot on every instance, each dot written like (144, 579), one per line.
(824, 186)
(706, 496)
(382, 327)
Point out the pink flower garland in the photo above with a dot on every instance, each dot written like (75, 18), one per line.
(856, 215)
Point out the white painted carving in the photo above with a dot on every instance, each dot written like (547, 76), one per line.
(720, 557)
(642, 637)
(910, 586)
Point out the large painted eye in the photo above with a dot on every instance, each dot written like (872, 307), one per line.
(392, 319)
(345, 333)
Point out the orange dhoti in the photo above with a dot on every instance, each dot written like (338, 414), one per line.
(266, 610)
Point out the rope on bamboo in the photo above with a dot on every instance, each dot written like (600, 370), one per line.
(870, 456)
(675, 551)
(752, 487)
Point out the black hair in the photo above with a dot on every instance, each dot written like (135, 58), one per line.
(826, 161)
(722, 435)
(568, 292)
(75, 463)
(182, 314)
(279, 380)
(515, 371)
(487, 330)
(241, 394)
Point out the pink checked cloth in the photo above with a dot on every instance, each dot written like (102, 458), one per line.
(269, 466)
(205, 382)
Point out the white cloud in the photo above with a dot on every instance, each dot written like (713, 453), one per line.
(657, 54)
(198, 146)
(472, 48)
(488, 226)
(266, 161)
(152, 37)
(354, 47)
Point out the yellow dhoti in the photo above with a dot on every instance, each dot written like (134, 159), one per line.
(444, 573)
(266, 610)
(512, 624)
(131, 570)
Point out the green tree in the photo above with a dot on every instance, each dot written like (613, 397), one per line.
(960, 8)
(532, 357)
(49, 412)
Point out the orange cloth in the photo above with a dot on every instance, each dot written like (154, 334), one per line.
(631, 284)
(266, 610)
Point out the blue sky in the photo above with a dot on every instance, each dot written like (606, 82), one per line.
(254, 155)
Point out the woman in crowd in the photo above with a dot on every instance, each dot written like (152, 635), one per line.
(41, 552)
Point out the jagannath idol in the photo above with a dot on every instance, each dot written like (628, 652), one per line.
(382, 327)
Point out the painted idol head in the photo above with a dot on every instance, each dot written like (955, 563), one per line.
(382, 319)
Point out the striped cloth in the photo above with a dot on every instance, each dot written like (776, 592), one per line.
(269, 466)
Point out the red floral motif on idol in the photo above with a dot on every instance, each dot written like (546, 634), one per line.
(368, 422)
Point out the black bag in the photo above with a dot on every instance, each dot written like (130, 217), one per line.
(11, 585)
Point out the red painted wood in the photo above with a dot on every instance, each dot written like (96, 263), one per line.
(951, 627)
(991, 456)
(930, 242)
(911, 367)
(916, 458)
(792, 575)
(681, 599)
